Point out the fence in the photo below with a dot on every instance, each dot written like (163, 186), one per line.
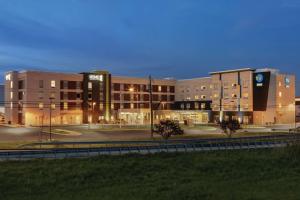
(85, 149)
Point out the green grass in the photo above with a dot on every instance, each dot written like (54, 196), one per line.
(257, 174)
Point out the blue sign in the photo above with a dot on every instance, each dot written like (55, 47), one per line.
(287, 81)
(259, 78)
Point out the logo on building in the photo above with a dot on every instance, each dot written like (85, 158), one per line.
(259, 80)
(94, 77)
(287, 81)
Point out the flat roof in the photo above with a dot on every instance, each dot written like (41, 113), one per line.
(231, 71)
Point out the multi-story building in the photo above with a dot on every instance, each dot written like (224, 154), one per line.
(1, 98)
(248, 95)
(261, 96)
(297, 103)
(1, 103)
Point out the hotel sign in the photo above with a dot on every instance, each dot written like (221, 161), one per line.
(95, 77)
(287, 82)
(259, 80)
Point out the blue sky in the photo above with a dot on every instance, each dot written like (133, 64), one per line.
(165, 38)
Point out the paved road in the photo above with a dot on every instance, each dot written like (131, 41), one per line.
(20, 134)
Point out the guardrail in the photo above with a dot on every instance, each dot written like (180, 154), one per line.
(145, 147)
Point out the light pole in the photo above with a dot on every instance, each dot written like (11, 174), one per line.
(50, 118)
(151, 106)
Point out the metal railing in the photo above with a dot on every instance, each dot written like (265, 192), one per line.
(85, 149)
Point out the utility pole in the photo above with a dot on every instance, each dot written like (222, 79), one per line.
(151, 105)
(50, 115)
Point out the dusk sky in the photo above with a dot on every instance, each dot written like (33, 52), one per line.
(165, 38)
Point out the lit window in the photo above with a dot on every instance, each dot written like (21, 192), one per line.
(196, 97)
(41, 105)
(112, 106)
(182, 106)
(280, 105)
(11, 85)
(101, 106)
(159, 88)
(11, 105)
(53, 84)
(188, 106)
(216, 95)
(279, 84)
(188, 98)
(196, 105)
(203, 106)
(53, 106)
(280, 94)
(90, 85)
(8, 77)
(65, 105)
(131, 105)
(11, 95)
(246, 95)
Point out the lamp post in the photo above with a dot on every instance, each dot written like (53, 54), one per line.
(50, 118)
(135, 95)
(151, 106)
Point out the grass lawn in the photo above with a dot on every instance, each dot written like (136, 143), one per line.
(257, 174)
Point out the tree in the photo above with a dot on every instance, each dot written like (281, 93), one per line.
(230, 127)
(167, 128)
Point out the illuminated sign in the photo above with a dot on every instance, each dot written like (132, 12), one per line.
(8, 77)
(94, 77)
(259, 80)
(287, 81)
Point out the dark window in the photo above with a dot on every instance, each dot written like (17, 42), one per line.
(146, 97)
(116, 106)
(144, 88)
(164, 88)
(116, 86)
(126, 87)
(127, 97)
(136, 87)
(89, 95)
(136, 97)
(146, 105)
(172, 89)
(126, 105)
(72, 85)
(154, 88)
(41, 84)
(72, 95)
(164, 97)
(72, 106)
(116, 96)
(21, 84)
(155, 97)
(21, 94)
(78, 95)
(172, 97)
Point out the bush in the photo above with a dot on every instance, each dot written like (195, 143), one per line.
(167, 128)
(230, 127)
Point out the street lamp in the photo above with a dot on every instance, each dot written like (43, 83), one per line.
(50, 117)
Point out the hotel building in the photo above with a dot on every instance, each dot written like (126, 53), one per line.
(262, 96)
(297, 102)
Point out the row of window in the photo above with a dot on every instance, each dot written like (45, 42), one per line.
(142, 88)
(142, 97)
